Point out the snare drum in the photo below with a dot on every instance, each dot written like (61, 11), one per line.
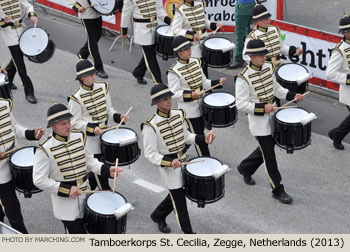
(100, 208)
(219, 110)
(163, 40)
(5, 92)
(289, 133)
(106, 7)
(200, 185)
(218, 52)
(39, 48)
(121, 144)
(21, 163)
(287, 75)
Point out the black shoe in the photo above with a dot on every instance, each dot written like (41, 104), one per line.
(12, 86)
(248, 180)
(283, 198)
(236, 65)
(162, 226)
(31, 99)
(140, 80)
(102, 74)
(336, 143)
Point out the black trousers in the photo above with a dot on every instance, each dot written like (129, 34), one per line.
(342, 130)
(175, 200)
(149, 61)
(103, 180)
(75, 227)
(197, 127)
(12, 208)
(205, 68)
(265, 153)
(16, 64)
(93, 30)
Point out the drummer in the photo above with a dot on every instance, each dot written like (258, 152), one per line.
(255, 91)
(158, 133)
(91, 107)
(60, 167)
(12, 26)
(186, 79)
(191, 21)
(145, 14)
(9, 132)
(92, 22)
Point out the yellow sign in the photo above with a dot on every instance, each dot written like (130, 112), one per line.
(171, 5)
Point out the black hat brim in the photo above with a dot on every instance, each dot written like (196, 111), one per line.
(184, 47)
(262, 52)
(266, 16)
(60, 118)
(344, 30)
(165, 95)
(86, 74)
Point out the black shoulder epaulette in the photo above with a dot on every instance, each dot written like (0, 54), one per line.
(148, 122)
(73, 97)
(241, 74)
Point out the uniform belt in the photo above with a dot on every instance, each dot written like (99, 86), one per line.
(177, 155)
(101, 125)
(200, 32)
(13, 25)
(145, 20)
(77, 182)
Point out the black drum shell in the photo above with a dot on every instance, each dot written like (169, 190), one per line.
(126, 154)
(219, 116)
(23, 177)
(97, 223)
(203, 190)
(292, 85)
(216, 58)
(163, 45)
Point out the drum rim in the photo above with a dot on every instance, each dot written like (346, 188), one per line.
(299, 123)
(88, 209)
(162, 34)
(117, 144)
(279, 78)
(207, 94)
(196, 176)
(103, 13)
(19, 44)
(12, 165)
(216, 50)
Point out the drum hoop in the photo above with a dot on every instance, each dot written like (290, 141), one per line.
(12, 165)
(210, 106)
(279, 78)
(184, 170)
(215, 50)
(294, 124)
(118, 144)
(161, 35)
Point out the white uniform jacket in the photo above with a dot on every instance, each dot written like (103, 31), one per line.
(338, 69)
(9, 132)
(255, 87)
(189, 19)
(185, 77)
(60, 163)
(88, 14)
(164, 139)
(91, 106)
(145, 14)
(11, 32)
(273, 42)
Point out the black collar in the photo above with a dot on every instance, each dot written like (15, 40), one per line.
(183, 61)
(86, 87)
(60, 138)
(165, 115)
(256, 68)
(346, 40)
(189, 3)
(262, 29)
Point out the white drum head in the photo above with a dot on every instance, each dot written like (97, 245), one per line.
(3, 79)
(121, 136)
(165, 31)
(219, 99)
(203, 169)
(105, 202)
(23, 157)
(291, 115)
(291, 72)
(217, 43)
(103, 6)
(33, 46)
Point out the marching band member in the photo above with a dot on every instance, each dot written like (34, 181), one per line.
(91, 106)
(12, 26)
(92, 22)
(145, 14)
(186, 79)
(255, 91)
(164, 138)
(191, 22)
(60, 167)
(338, 71)
(10, 130)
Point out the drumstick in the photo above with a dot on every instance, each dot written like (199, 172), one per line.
(308, 92)
(12, 150)
(167, 30)
(98, 182)
(38, 133)
(193, 162)
(2, 67)
(115, 174)
(211, 135)
(33, 35)
(93, 191)
(117, 127)
(277, 108)
(211, 33)
(89, 6)
(208, 89)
